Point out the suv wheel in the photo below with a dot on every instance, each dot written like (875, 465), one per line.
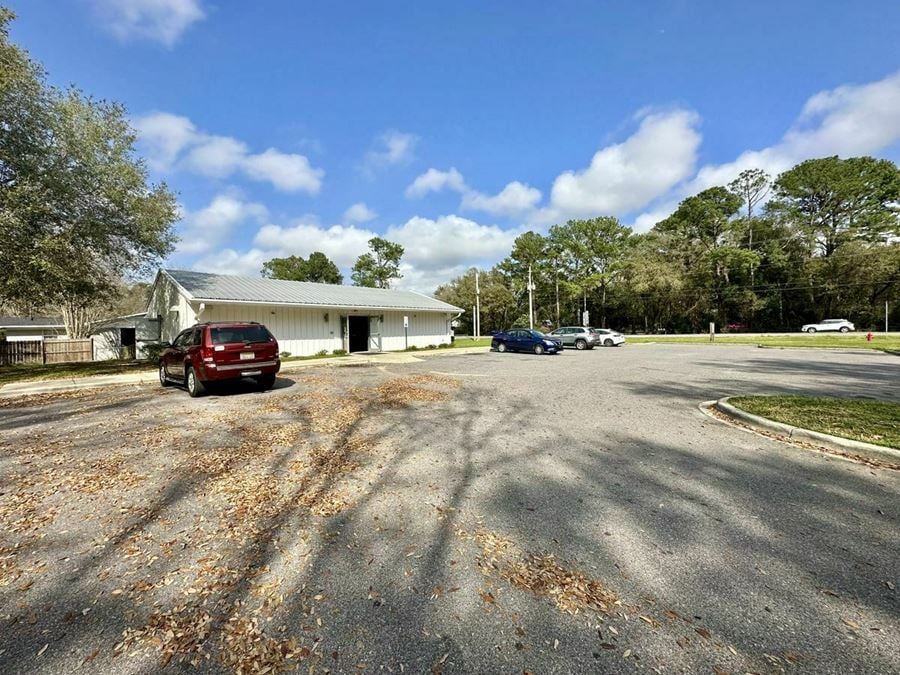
(580, 344)
(539, 349)
(163, 378)
(844, 329)
(501, 347)
(194, 385)
(265, 382)
(810, 330)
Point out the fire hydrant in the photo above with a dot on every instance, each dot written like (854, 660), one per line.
(869, 336)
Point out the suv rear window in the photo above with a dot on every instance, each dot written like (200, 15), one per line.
(221, 335)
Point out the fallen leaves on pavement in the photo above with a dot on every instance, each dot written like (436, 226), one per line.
(570, 590)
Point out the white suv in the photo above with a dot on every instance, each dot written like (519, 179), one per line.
(841, 325)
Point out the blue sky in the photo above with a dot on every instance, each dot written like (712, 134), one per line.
(453, 127)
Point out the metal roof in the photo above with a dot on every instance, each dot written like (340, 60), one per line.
(31, 322)
(204, 286)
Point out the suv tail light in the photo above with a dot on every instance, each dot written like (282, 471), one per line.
(206, 351)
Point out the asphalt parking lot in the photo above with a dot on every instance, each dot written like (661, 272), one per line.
(469, 513)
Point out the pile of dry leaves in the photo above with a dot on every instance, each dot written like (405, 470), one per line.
(540, 573)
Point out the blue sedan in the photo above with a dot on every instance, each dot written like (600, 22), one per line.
(525, 340)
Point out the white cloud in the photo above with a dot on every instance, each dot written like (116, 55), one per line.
(173, 142)
(391, 148)
(450, 240)
(215, 156)
(436, 250)
(288, 172)
(210, 226)
(161, 21)
(343, 244)
(359, 213)
(162, 136)
(427, 280)
(228, 261)
(846, 121)
(435, 180)
(850, 120)
(630, 174)
(514, 199)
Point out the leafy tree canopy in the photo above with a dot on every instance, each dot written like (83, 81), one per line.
(833, 201)
(380, 266)
(318, 268)
(74, 198)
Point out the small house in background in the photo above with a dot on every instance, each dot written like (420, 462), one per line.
(306, 318)
(22, 328)
(124, 337)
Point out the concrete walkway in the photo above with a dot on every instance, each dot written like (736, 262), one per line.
(150, 376)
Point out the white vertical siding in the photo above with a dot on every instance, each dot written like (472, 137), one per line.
(425, 328)
(302, 331)
(299, 330)
(168, 302)
(107, 344)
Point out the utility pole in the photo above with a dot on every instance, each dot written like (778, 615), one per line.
(885, 316)
(530, 300)
(557, 294)
(477, 306)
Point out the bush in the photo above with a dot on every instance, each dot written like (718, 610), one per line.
(443, 345)
(154, 351)
(412, 348)
(431, 347)
(340, 352)
(285, 355)
(324, 352)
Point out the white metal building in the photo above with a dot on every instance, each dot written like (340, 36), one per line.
(124, 337)
(305, 317)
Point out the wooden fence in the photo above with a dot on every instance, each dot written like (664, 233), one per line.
(45, 351)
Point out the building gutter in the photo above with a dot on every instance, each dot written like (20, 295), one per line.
(361, 308)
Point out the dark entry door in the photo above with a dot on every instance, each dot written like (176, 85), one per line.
(359, 333)
(127, 337)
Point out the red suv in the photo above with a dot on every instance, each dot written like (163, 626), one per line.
(211, 352)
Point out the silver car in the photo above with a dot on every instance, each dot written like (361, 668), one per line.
(841, 325)
(576, 336)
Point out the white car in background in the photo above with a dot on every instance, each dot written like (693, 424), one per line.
(607, 337)
(837, 325)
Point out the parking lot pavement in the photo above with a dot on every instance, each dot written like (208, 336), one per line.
(481, 513)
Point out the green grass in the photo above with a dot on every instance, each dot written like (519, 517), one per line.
(853, 341)
(470, 342)
(875, 422)
(27, 372)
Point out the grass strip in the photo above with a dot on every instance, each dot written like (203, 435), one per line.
(876, 422)
(855, 341)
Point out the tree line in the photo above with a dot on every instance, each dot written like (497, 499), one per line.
(821, 240)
